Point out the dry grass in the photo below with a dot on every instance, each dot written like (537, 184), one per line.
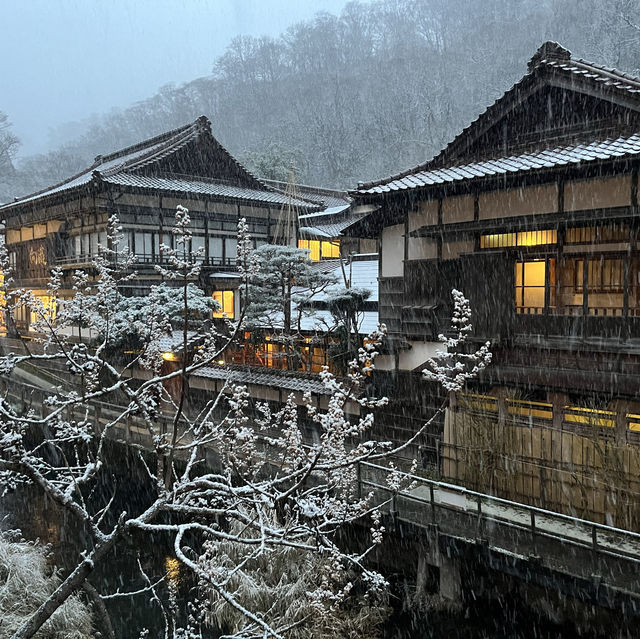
(26, 581)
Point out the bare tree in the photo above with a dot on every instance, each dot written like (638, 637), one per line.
(269, 490)
(9, 143)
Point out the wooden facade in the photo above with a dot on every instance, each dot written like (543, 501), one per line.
(65, 226)
(532, 211)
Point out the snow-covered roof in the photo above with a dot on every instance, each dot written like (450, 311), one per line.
(144, 166)
(361, 273)
(173, 343)
(322, 320)
(551, 66)
(277, 379)
(201, 186)
(328, 223)
(560, 156)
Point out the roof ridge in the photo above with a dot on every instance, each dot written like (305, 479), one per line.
(614, 73)
(550, 55)
(173, 143)
(591, 150)
(138, 146)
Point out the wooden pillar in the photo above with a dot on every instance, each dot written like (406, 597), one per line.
(622, 409)
(585, 294)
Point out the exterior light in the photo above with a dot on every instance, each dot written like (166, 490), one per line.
(220, 362)
(168, 356)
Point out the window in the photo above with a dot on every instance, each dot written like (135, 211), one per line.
(530, 283)
(143, 243)
(597, 234)
(197, 244)
(89, 244)
(331, 249)
(604, 275)
(521, 238)
(313, 246)
(225, 301)
(48, 309)
(215, 250)
(231, 250)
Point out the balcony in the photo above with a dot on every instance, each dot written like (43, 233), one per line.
(141, 260)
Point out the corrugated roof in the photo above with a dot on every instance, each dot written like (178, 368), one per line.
(574, 154)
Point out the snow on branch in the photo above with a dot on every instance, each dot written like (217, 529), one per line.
(452, 367)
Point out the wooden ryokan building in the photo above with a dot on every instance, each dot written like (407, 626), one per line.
(532, 211)
(64, 225)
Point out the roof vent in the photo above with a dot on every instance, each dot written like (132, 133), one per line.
(548, 51)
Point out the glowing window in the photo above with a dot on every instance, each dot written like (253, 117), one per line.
(522, 238)
(313, 246)
(318, 249)
(46, 313)
(331, 250)
(225, 301)
(530, 277)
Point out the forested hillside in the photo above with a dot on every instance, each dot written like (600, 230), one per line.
(352, 97)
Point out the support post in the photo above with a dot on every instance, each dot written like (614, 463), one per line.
(450, 579)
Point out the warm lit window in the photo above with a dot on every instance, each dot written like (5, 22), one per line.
(47, 312)
(225, 301)
(530, 278)
(522, 238)
(331, 249)
(313, 246)
(318, 249)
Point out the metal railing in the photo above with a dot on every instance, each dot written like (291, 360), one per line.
(423, 501)
(437, 495)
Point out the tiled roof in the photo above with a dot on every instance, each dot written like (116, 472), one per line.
(276, 379)
(324, 197)
(186, 184)
(550, 62)
(124, 167)
(362, 273)
(174, 342)
(560, 156)
(328, 223)
(321, 321)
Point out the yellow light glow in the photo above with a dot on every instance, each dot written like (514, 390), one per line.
(226, 302)
(220, 362)
(168, 356)
(522, 238)
(172, 568)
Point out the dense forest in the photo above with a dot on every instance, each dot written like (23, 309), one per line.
(350, 97)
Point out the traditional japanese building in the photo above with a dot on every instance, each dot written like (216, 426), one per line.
(65, 225)
(532, 211)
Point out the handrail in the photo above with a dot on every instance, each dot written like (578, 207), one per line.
(480, 498)
(506, 502)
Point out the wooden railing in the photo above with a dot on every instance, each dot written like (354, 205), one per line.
(533, 413)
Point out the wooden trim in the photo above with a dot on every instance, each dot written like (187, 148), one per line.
(530, 222)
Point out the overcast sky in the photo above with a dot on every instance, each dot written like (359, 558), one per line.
(63, 60)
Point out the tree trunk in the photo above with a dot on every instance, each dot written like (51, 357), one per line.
(72, 583)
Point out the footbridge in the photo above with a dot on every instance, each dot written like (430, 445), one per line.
(451, 527)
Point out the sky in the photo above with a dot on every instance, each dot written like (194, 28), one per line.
(64, 60)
